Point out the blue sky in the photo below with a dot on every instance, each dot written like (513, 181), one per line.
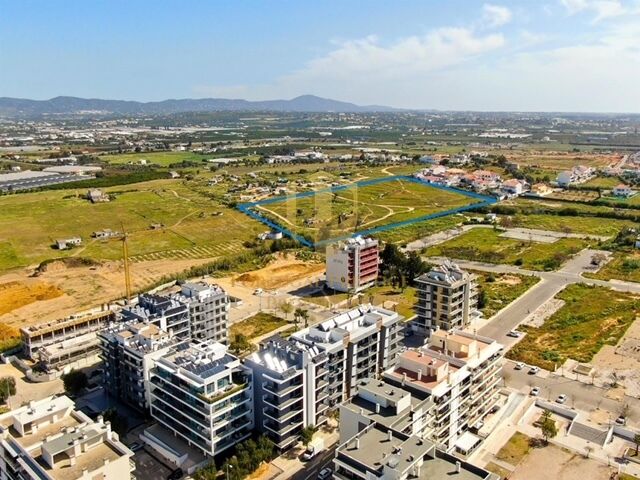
(551, 55)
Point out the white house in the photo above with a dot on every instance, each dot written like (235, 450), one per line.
(513, 186)
(622, 190)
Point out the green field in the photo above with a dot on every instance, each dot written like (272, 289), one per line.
(332, 214)
(625, 265)
(486, 245)
(30, 222)
(591, 317)
(500, 289)
(574, 224)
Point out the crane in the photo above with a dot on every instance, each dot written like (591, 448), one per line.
(125, 260)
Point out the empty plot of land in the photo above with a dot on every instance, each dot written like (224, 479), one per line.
(552, 462)
(333, 213)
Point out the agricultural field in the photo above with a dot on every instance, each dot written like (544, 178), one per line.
(501, 289)
(163, 159)
(328, 214)
(486, 245)
(625, 265)
(189, 225)
(558, 161)
(602, 182)
(590, 318)
(575, 195)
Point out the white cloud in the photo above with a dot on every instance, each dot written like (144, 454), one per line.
(603, 9)
(495, 15)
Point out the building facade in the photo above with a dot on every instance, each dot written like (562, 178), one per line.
(204, 395)
(49, 440)
(129, 351)
(352, 265)
(208, 311)
(163, 311)
(447, 298)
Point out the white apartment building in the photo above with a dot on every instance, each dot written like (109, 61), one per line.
(447, 298)
(203, 395)
(290, 388)
(208, 310)
(48, 440)
(129, 351)
(461, 374)
(165, 312)
(352, 265)
(298, 380)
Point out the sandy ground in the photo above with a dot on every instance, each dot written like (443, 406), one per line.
(86, 287)
(16, 294)
(26, 390)
(623, 359)
(280, 273)
(552, 462)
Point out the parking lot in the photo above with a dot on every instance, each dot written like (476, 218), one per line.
(147, 466)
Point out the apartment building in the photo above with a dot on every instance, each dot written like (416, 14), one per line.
(49, 440)
(297, 381)
(62, 342)
(203, 395)
(359, 343)
(352, 265)
(460, 373)
(163, 311)
(290, 388)
(378, 452)
(129, 351)
(208, 310)
(447, 299)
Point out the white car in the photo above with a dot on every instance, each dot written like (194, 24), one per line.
(561, 398)
(534, 370)
(514, 334)
(325, 474)
(535, 391)
(519, 366)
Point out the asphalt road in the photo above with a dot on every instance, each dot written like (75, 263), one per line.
(581, 396)
(311, 469)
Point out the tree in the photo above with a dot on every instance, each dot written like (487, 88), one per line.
(304, 314)
(636, 440)
(240, 344)
(74, 382)
(306, 434)
(301, 314)
(548, 426)
(119, 423)
(208, 472)
(286, 308)
(482, 298)
(7, 388)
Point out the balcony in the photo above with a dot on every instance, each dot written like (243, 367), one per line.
(281, 404)
(281, 390)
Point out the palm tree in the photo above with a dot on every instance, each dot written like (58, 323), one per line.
(298, 315)
(286, 308)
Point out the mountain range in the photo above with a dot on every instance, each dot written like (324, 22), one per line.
(19, 107)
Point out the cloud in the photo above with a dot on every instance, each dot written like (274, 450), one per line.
(603, 9)
(495, 15)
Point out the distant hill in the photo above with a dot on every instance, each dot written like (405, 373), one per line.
(18, 107)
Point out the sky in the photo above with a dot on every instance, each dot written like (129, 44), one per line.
(498, 55)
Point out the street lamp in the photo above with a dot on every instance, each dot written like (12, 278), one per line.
(228, 467)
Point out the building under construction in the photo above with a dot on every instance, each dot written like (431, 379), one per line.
(62, 342)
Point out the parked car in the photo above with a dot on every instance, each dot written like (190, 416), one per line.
(561, 398)
(519, 366)
(135, 446)
(621, 420)
(534, 370)
(258, 291)
(514, 334)
(535, 391)
(325, 474)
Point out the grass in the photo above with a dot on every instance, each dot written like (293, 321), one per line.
(602, 182)
(30, 223)
(498, 470)
(332, 214)
(576, 224)
(486, 245)
(591, 317)
(515, 449)
(625, 265)
(502, 289)
(418, 230)
(259, 324)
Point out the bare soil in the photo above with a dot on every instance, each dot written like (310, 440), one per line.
(554, 462)
(280, 273)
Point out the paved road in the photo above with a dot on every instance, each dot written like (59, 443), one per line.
(581, 396)
(311, 469)
(550, 284)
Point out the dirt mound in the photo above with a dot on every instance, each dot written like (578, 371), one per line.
(278, 274)
(58, 264)
(14, 295)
